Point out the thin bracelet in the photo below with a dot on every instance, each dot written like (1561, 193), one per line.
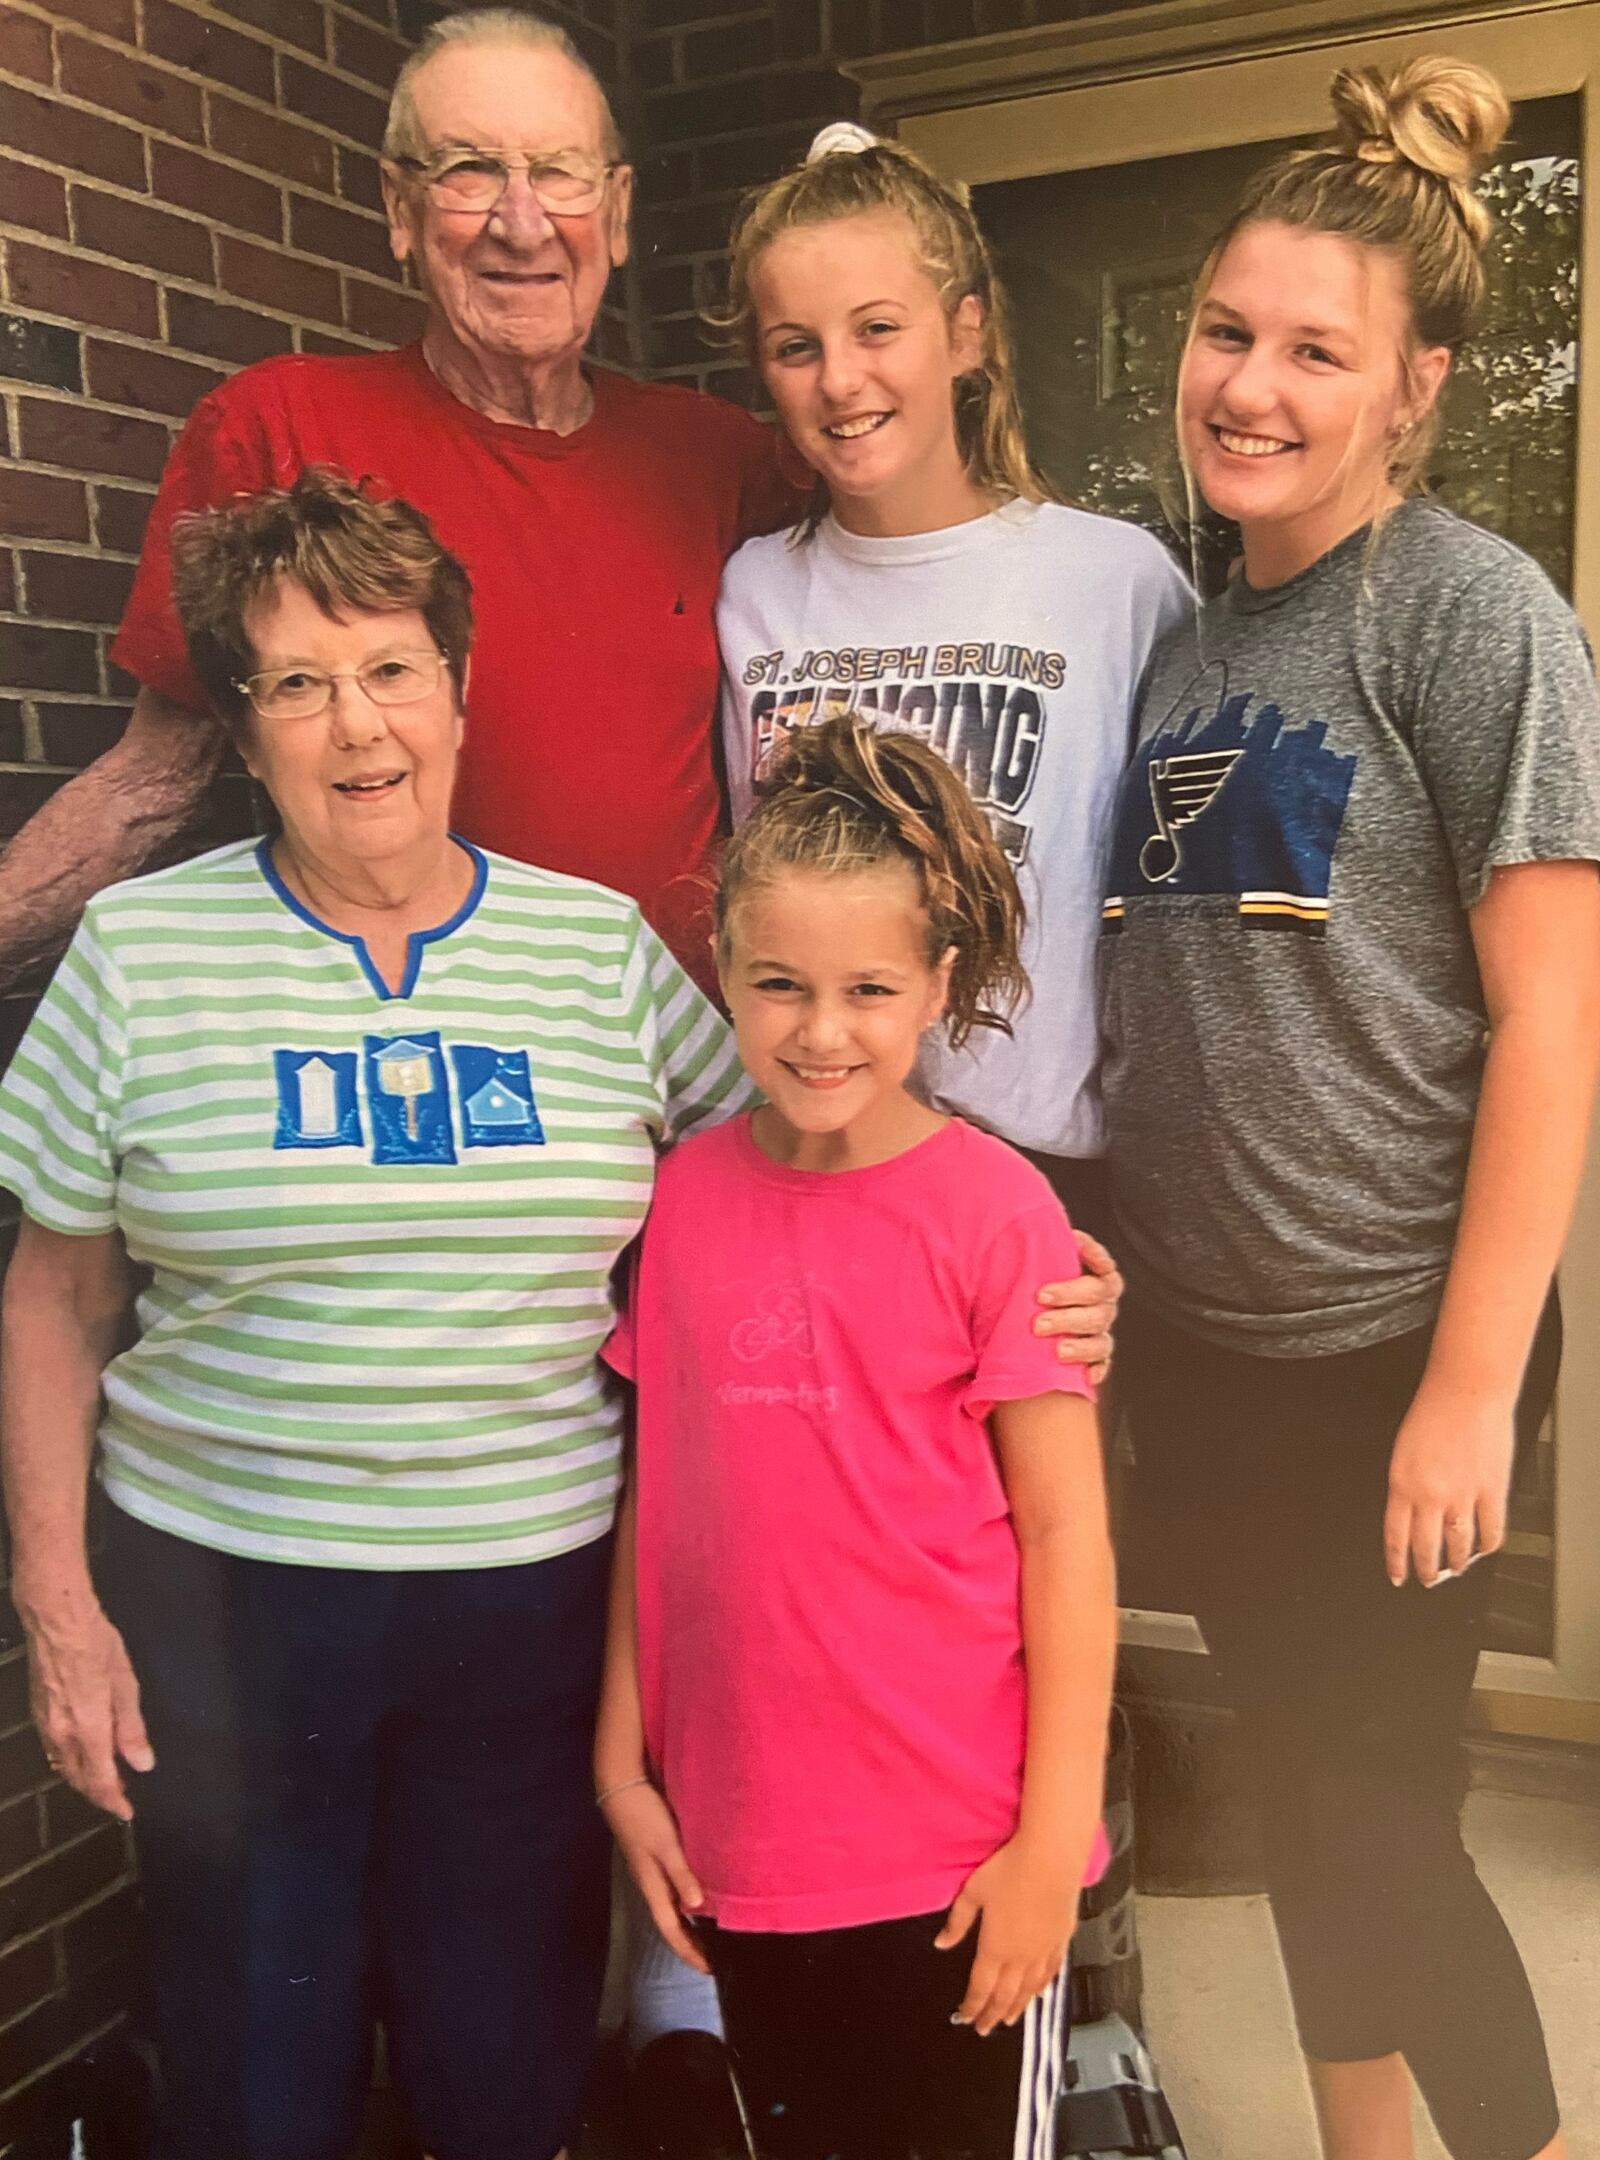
(626, 1785)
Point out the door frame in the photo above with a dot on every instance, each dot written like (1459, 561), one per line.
(1188, 75)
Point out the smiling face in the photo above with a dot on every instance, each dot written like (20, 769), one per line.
(1299, 377)
(512, 283)
(829, 987)
(358, 784)
(861, 360)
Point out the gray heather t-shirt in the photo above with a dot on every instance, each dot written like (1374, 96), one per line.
(1328, 771)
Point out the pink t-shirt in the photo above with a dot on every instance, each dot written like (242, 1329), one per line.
(830, 1644)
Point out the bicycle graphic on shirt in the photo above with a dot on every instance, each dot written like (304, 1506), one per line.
(781, 1321)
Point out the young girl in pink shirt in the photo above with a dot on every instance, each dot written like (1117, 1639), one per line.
(863, 1621)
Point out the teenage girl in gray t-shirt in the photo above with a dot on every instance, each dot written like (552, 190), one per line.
(1350, 992)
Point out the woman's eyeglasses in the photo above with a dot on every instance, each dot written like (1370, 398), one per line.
(566, 185)
(300, 693)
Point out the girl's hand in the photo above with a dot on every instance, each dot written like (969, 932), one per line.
(1026, 1899)
(1449, 1477)
(1083, 1312)
(85, 1701)
(647, 1831)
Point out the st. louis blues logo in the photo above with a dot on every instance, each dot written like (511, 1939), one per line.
(1231, 799)
(1181, 789)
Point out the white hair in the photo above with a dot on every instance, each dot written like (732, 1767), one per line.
(485, 26)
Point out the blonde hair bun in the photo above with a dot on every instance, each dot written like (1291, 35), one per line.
(840, 138)
(1445, 117)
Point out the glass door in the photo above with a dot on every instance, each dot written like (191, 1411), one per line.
(1102, 201)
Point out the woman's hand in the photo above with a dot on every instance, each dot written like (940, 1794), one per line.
(1025, 1899)
(85, 1701)
(1083, 1312)
(1449, 1477)
(647, 1831)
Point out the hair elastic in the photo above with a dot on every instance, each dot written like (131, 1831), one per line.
(840, 138)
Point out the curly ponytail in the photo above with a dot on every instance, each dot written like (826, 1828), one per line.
(841, 798)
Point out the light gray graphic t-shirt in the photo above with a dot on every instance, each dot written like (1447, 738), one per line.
(1014, 644)
(1328, 772)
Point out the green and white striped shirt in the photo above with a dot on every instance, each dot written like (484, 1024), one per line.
(380, 1226)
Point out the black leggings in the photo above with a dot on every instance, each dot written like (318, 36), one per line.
(1266, 1479)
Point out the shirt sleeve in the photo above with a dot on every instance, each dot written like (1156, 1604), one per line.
(620, 1348)
(215, 458)
(59, 1101)
(687, 1044)
(1034, 1248)
(770, 500)
(1508, 727)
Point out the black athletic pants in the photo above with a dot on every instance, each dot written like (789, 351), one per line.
(1265, 1481)
(843, 2049)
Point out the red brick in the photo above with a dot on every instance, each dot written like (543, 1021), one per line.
(11, 751)
(151, 381)
(224, 333)
(77, 734)
(653, 61)
(55, 284)
(42, 506)
(691, 229)
(680, 341)
(45, 128)
(375, 10)
(136, 233)
(343, 236)
(62, 2023)
(25, 46)
(27, 1974)
(207, 47)
(324, 341)
(67, 1815)
(727, 50)
(297, 22)
(112, 18)
(219, 192)
(120, 516)
(101, 1931)
(314, 94)
(799, 28)
(359, 181)
(33, 198)
(14, 1709)
(669, 14)
(77, 588)
(8, 590)
(386, 312)
(278, 146)
(670, 291)
(19, 1823)
(746, 160)
(36, 658)
(373, 54)
(60, 431)
(144, 93)
(278, 280)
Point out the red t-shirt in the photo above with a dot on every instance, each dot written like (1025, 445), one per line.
(594, 558)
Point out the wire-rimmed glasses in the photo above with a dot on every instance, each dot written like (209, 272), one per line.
(567, 183)
(301, 693)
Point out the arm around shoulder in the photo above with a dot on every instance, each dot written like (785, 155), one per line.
(103, 825)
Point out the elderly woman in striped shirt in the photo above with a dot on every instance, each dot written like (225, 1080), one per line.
(374, 1113)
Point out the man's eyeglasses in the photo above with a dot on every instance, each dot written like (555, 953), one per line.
(566, 185)
(300, 693)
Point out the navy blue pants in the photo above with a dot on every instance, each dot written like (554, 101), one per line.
(372, 1799)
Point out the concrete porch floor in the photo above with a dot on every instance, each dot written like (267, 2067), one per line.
(1217, 2013)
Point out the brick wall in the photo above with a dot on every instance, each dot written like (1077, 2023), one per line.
(727, 96)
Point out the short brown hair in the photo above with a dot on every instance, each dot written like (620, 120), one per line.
(841, 798)
(354, 551)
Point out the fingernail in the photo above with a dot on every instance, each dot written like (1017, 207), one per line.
(957, 2019)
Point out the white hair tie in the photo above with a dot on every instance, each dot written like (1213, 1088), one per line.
(840, 138)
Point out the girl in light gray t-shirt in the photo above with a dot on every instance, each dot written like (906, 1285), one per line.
(1350, 986)
(934, 589)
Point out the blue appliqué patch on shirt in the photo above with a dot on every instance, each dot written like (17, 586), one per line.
(495, 1089)
(317, 1101)
(408, 1095)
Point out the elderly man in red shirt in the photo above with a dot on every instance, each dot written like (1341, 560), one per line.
(594, 513)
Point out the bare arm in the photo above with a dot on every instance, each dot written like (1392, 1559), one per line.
(641, 1821)
(1537, 934)
(1027, 1892)
(64, 1298)
(104, 825)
